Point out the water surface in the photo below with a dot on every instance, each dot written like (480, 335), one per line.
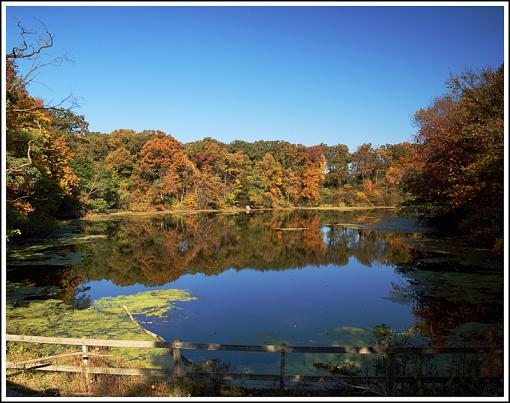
(302, 277)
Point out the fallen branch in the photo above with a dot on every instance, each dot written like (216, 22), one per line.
(152, 334)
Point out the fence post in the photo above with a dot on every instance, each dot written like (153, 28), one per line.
(282, 369)
(176, 353)
(85, 365)
(390, 372)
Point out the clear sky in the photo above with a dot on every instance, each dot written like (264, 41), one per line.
(302, 74)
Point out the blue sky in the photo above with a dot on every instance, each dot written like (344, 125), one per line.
(306, 75)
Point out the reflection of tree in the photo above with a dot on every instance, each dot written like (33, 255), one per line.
(159, 250)
(370, 246)
(440, 315)
(65, 278)
(444, 303)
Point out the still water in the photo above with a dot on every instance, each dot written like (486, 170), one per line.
(303, 277)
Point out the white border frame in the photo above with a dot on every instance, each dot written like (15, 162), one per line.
(503, 4)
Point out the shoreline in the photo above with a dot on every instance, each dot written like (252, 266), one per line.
(92, 216)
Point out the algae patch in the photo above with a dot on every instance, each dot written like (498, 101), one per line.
(149, 303)
(104, 319)
(54, 252)
(18, 294)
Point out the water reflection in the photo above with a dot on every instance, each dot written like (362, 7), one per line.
(71, 285)
(159, 250)
(453, 301)
(371, 272)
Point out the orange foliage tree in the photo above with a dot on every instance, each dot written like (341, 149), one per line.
(458, 162)
(38, 172)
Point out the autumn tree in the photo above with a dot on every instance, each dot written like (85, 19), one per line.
(166, 168)
(364, 162)
(209, 190)
(312, 178)
(458, 175)
(337, 165)
(38, 171)
(399, 160)
(266, 181)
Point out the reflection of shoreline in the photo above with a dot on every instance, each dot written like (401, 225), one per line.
(450, 300)
(127, 213)
(161, 249)
(156, 250)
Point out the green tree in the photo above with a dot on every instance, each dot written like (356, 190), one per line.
(337, 165)
(266, 181)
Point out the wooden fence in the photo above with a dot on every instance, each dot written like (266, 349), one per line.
(178, 371)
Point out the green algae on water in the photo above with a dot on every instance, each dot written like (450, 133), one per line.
(105, 319)
(147, 303)
(52, 252)
(18, 294)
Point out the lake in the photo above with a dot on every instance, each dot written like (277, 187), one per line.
(302, 277)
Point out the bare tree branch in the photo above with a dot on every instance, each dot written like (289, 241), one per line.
(27, 51)
(37, 66)
(19, 167)
(58, 107)
(32, 49)
(29, 75)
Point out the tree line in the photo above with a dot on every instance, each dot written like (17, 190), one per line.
(57, 168)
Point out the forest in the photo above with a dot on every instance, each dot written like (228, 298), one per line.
(451, 173)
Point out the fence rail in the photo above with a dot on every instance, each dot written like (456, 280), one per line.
(390, 379)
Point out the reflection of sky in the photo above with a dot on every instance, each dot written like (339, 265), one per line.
(325, 233)
(312, 305)
(295, 305)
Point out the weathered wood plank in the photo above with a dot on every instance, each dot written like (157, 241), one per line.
(260, 377)
(282, 371)
(192, 346)
(390, 372)
(248, 348)
(53, 357)
(176, 354)
(85, 366)
(102, 370)
(50, 357)
(88, 342)
(278, 348)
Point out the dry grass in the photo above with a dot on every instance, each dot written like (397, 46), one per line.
(75, 384)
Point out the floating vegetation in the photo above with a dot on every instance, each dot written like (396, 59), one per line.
(54, 252)
(148, 303)
(47, 258)
(105, 319)
(17, 294)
